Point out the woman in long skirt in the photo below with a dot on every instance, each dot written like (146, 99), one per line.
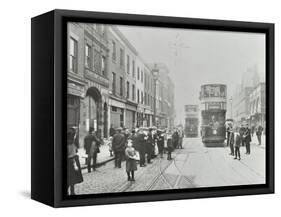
(74, 175)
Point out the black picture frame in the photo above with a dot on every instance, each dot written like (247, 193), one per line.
(48, 74)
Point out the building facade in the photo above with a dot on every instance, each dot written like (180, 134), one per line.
(110, 85)
(241, 105)
(88, 83)
(164, 96)
(257, 105)
(117, 78)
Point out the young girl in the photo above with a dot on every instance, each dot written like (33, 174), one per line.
(131, 158)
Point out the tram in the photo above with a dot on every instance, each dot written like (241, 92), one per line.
(191, 120)
(213, 110)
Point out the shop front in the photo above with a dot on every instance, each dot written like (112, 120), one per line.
(130, 115)
(116, 113)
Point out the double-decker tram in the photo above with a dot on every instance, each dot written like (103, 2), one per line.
(213, 109)
(191, 120)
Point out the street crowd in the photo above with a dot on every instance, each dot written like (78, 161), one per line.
(241, 136)
(137, 147)
(140, 146)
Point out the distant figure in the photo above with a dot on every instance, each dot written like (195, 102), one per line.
(131, 158)
(149, 146)
(247, 139)
(140, 144)
(160, 142)
(259, 133)
(229, 126)
(242, 130)
(118, 147)
(91, 145)
(175, 139)
(181, 135)
(237, 142)
(231, 140)
(170, 147)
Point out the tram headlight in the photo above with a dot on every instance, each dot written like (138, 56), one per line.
(215, 132)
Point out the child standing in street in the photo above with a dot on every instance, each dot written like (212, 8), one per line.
(170, 146)
(131, 160)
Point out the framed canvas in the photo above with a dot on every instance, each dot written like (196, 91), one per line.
(134, 108)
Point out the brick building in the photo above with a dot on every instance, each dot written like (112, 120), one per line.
(109, 83)
(88, 83)
(257, 105)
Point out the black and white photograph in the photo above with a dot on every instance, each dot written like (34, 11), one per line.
(156, 108)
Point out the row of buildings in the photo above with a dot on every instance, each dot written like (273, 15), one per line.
(110, 85)
(249, 103)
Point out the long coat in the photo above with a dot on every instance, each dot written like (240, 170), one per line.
(149, 143)
(91, 143)
(118, 143)
(231, 138)
(238, 140)
(247, 135)
(175, 139)
(139, 142)
(160, 142)
(170, 145)
(74, 175)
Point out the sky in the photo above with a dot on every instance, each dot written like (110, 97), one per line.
(197, 57)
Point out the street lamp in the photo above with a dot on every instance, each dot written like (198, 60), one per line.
(155, 73)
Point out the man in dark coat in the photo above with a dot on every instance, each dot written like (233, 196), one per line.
(139, 144)
(170, 147)
(229, 127)
(175, 139)
(133, 137)
(126, 134)
(149, 146)
(259, 133)
(247, 139)
(231, 140)
(242, 131)
(91, 145)
(160, 142)
(180, 140)
(118, 147)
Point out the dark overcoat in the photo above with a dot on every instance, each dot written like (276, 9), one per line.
(139, 142)
(118, 143)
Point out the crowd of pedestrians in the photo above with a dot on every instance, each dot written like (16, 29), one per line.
(241, 136)
(140, 146)
(137, 147)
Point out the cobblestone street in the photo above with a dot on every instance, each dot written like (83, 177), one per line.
(191, 167)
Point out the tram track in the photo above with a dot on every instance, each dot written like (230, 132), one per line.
(159, 176)
(181, 175)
